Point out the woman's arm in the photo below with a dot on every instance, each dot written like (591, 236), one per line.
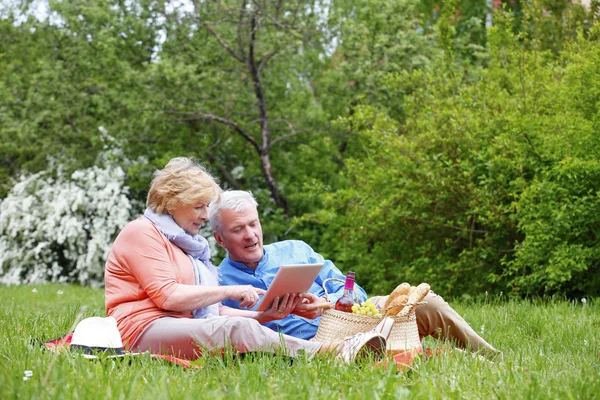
(279, 310)
(144, 253)
(192, 297)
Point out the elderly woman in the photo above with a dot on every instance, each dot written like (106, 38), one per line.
(165, 294)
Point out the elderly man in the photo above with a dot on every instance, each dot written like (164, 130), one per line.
(237, 229)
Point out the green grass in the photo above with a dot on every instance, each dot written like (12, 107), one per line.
(551, 350)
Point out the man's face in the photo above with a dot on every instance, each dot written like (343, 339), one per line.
(242, 235)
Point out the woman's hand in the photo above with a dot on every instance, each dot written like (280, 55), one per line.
(246, 295)
(311, 306)
(280, 308)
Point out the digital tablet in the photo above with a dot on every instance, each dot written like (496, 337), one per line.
(292, 278)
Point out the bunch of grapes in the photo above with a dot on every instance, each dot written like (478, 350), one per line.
(366, 308)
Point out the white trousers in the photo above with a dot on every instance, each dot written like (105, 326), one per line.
(188, 338)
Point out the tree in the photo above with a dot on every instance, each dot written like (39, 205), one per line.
(490, 183)
(69, 78)
(253, 35)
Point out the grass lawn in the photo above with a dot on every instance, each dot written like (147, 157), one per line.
(551, 350)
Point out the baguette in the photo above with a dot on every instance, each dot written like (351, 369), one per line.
(397, 305)
(417, 295)
(401, 289)
(411, 290)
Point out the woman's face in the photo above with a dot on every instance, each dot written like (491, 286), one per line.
(190, 217)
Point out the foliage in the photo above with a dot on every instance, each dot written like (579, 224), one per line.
(494, 167)
(63, 77)
(59, 228)
(533, 353)
(559, 212)
(543, 24)
(373, 40)
(552, 24)
(405, 137)
(461, 25)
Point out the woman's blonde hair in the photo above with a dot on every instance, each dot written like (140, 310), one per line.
(182, 181)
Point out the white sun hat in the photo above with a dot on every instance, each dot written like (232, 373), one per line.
(96, 335)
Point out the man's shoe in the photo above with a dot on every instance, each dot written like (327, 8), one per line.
(363, 345)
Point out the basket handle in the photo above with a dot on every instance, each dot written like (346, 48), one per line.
(356, 298)
(405, 310)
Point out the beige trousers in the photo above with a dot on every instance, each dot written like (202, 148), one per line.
(186, 337)
(437, 319)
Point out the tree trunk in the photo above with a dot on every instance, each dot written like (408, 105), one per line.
(249, 57)
(265, 164)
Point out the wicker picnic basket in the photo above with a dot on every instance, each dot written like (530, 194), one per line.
(337, 325)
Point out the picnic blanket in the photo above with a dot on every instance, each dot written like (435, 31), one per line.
(401, 359)
(63, 344)
(405, 359)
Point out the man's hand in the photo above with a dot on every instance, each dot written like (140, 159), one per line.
(280, 308)
(311, 306)
(247, 295)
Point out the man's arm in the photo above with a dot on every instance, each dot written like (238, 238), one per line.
(311, 306)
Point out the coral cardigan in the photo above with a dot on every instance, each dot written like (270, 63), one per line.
(142, 270)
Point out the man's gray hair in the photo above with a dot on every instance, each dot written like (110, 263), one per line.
(236, 200)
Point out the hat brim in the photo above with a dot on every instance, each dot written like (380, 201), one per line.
(107, 356)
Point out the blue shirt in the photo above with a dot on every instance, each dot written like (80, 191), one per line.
(281, 253)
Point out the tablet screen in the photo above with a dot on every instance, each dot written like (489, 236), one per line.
(292, 278)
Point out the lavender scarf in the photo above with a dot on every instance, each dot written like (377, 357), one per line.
(196, 248)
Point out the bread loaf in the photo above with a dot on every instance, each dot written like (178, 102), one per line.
(411, 290)
(419, 294)
(416, 296)
(401, 289)
(397, 305)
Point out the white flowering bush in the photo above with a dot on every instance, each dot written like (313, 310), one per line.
(56, 228)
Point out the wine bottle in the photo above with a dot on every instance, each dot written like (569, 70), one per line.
(345, 302)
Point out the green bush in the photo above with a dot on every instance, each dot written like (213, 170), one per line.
(491, 182)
